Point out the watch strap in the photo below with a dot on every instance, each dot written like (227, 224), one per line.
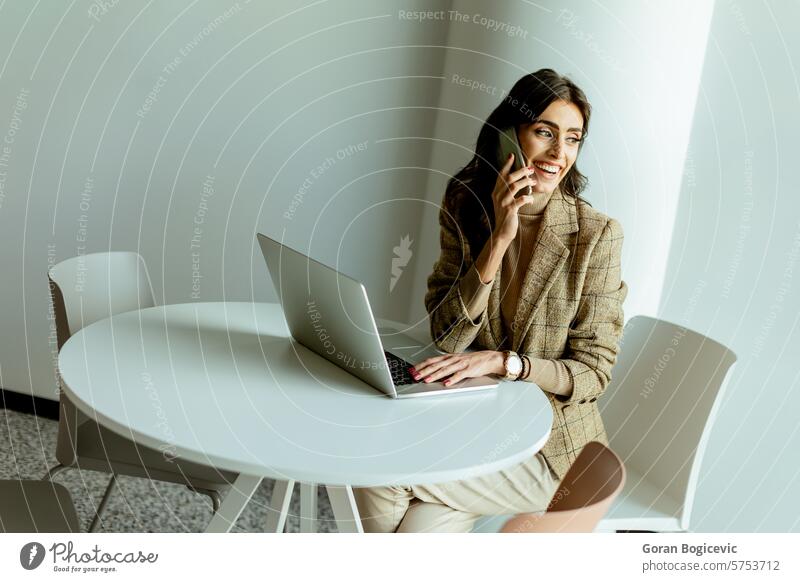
(526, 368)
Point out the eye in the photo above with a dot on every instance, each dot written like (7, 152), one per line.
(544, 132)
(574, 140)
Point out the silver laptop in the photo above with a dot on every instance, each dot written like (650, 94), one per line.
(329, 313)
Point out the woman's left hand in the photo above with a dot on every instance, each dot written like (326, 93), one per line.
(459, 366)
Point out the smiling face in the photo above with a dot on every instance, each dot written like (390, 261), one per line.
(552, 140)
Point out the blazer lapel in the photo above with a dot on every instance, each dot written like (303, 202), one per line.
(547, 261)
(495, 315)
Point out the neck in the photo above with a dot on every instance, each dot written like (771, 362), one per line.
(540, 200)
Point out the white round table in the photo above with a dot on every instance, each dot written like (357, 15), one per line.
(224, 384)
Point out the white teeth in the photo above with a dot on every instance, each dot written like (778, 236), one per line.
(547, 168)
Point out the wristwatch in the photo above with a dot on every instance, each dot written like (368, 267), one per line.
(512, 364)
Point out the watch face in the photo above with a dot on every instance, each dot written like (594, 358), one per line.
(514, 364)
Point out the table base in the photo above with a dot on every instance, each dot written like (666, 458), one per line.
(341, 497)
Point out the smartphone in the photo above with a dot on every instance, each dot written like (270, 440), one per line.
(509, 144)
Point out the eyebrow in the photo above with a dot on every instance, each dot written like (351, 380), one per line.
(555, 126)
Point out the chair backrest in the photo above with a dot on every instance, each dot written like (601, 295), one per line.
(36, 506)
(85, 289)
(582, 498)
(91, 287)
(661, 403)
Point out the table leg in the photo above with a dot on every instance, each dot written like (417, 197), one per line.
(235, 501)
(279, 506)
(308, 507)
(344, 509)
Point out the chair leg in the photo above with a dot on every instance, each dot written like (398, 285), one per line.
(238, 497)
(216, 498)
(53, 472)
(103, 502)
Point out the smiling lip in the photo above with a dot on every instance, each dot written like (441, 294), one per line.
(544, 174)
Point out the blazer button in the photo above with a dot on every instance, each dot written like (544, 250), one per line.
(582, 401)
(593, 399)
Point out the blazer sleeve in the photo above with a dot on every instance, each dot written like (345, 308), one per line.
(474, 292)
(452, 328)
(593, 337)
(550, 375)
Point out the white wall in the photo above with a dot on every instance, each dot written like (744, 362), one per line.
(263, 94)
(735, 259)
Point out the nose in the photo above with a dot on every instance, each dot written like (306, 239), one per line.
(555, 148)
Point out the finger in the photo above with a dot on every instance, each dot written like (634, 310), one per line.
(508, 165)
(523, 200)
(522, 185)
(511, 194)
(433, 364)
(517, 180)
(457, 377)
(430, 361)
(424, 363)
(521, 173)
(436, 369)
(445, 371)
(503, 177)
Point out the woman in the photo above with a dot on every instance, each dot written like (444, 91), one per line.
(529, 274)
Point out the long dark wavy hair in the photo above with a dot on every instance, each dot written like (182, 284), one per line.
(468, 197)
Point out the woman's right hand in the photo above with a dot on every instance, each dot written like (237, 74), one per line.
(505, 201)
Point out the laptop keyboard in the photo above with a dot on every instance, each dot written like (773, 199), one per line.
(399, 370)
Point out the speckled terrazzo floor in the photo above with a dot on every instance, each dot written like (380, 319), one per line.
(27, 451)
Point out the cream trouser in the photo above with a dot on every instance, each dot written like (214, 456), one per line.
(454, 506)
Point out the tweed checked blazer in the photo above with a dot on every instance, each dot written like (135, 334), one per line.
(569, 308)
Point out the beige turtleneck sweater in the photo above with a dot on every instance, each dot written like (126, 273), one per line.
(550, 375)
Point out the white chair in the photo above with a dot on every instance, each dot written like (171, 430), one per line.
(36, 507)
(658, 411)
(85, 289)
